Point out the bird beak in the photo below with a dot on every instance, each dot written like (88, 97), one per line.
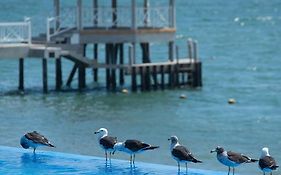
(169, 139)
(212, 151)
(96, 132)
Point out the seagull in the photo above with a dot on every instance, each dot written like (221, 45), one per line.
(266, 162)
(133, 147)
(106, 142)
(231, 159)
(34, 140)
(180, 153)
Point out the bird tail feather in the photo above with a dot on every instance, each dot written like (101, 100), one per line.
(151, 148)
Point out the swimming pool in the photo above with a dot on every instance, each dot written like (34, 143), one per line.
(17, 161)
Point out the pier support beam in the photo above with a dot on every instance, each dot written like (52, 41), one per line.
(82, 72)
(81, 76)
(45, 75)
(121, 58)
(58, 74)
(95, 70)
(21, 74)
(71, 75)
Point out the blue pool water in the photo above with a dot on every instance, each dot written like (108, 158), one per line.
(239, 44)
(14, 161)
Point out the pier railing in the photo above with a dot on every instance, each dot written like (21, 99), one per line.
(120, 17)
(16, 32)
(59, 24)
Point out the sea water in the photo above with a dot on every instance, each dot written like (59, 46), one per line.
(239, 45)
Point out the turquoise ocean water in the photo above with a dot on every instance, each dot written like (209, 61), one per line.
(239, 44)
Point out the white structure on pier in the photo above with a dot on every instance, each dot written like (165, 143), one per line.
(72, 28)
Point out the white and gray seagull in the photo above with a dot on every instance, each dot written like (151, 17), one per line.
(106, 142)
(133, 147)
(34, 140)
(267, 163)
(231, 159)
(180, 153)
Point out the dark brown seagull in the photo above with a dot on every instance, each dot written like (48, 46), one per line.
(180, 153)
(231, 159)
(106, 142)
(267, 163)
(133, 147)
(34, 140)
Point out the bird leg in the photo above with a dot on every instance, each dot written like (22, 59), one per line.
(131, 159)
(179, 167)
(186, 168)
(233, 171)
(105, 156)
(134, 159)
(228, 170)
(34, 150)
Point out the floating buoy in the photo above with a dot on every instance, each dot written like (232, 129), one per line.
(125, 91)
(231, 101)
(183, 96)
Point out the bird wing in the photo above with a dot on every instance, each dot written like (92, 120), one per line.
(268, 162)
(108, 142)
(135, 145)
(183, 153)
(38, 138)
(237, 157)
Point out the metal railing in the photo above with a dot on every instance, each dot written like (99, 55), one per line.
(59, 24)
(16, 32)
(107, 17)
(157, 17)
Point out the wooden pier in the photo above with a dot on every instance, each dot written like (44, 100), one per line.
(121, 30)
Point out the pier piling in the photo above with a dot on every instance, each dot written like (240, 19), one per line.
(21, 74)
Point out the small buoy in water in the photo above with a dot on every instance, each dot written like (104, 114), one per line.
(125, 91)
(231, 101)
(183, 96)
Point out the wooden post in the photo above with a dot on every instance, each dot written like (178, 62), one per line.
(45, 75)
(134, 79)
(107, 62)
(170, 73)
(121, 57)
(58, 74)
(95, 49)
(113, 63)
(147, 78)
(21, 74)
(82, 72)
(154, 72)
(95, 70)
(142, 75)
(81, 76)
(162, 77)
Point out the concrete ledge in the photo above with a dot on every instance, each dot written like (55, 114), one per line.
(23, 162)
(14, 50)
